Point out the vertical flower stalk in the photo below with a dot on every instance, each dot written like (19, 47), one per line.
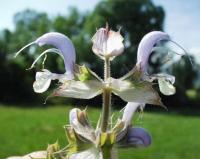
(107, 44)
(106, 97)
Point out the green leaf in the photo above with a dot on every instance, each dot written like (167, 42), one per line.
(83, 73)
(51, 149)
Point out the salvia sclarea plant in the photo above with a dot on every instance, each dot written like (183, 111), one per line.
(136, 88)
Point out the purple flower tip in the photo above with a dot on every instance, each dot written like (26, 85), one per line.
(63, 44)
(138, 137)
(146, 45)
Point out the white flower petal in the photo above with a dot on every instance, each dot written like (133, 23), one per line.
(42, 82)
(114, 43)
(166, 87)
(165, 82)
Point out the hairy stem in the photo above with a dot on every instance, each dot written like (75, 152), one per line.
(106, 97)
(106, 69)
(106, 152)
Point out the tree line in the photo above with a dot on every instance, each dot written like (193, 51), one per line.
(134, 18)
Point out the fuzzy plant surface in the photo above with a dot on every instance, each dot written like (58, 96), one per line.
(135, 87)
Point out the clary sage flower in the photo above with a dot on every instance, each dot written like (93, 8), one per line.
(136, 88)
(65, 49)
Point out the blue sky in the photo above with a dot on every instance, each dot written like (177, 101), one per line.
(182, 16)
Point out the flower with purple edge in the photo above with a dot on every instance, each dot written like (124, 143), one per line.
(136, 88)
(65, 49)
(145, 48)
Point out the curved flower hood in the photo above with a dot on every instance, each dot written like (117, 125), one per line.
(146, 45)
(64, 45)
(65, 48)
(145, 48)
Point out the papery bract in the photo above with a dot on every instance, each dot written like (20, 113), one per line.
(81, 125)
(107, 43)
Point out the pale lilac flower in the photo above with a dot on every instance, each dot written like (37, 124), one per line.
(146, 45)
(132, 136)
(65, 49)
(145, 48)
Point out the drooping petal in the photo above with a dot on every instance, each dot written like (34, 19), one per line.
(62, 43)
(165, 82)
(135, 138)
(146, 45)
(43, 80)
(107, 43)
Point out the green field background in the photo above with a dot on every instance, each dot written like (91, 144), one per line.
(23, 130)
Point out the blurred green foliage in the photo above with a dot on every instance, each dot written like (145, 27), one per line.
(133, 17)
